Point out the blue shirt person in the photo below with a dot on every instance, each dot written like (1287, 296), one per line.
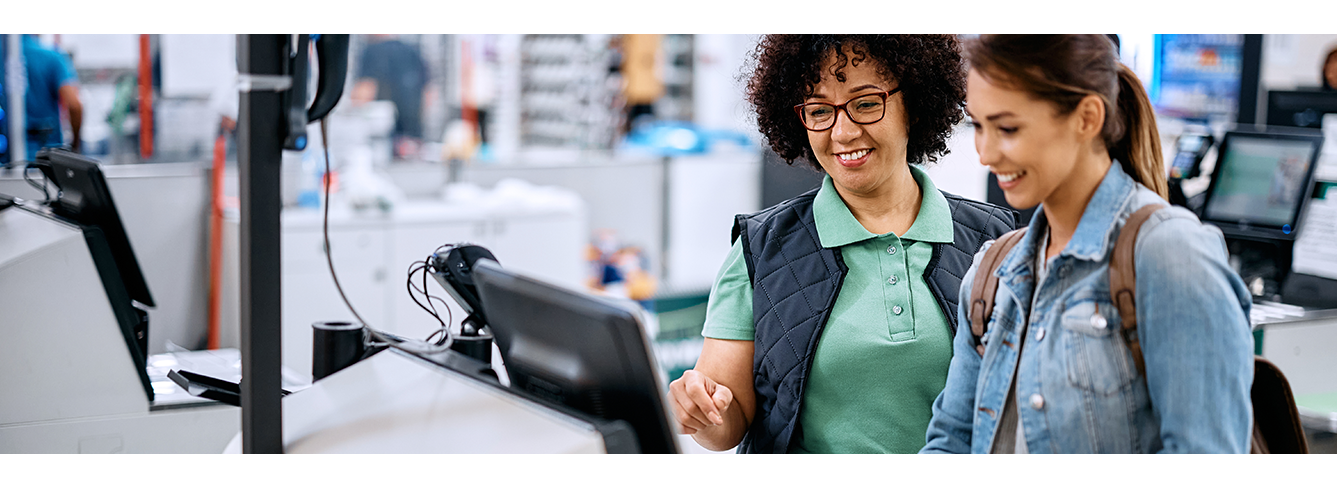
(51, 82)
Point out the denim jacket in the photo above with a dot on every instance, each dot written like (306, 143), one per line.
(1078, 390)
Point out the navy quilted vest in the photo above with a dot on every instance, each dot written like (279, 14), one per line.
(795, 282)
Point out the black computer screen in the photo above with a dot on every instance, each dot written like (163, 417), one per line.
(1304, 109)
(1260, 183)
(576, 350)
(85, 199)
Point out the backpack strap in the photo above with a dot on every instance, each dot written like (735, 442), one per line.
(984, 288)
(1123, 280)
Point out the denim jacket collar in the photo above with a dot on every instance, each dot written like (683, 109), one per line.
(1091, 241)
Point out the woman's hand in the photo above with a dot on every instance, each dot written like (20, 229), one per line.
(699, 402)
(715, 402)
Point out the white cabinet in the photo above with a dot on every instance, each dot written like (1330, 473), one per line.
(308, 290)
(537, 245)
(372, 256)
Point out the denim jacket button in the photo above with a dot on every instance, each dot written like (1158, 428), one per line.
(1098, 321)
(1037, 402)
(1040, 335)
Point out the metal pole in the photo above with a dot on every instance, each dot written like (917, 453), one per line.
(260, 58)
(16, 82)
(1251, 96)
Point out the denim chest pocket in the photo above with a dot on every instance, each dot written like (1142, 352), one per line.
(1097, 359)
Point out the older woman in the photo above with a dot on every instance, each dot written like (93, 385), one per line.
(829, 327)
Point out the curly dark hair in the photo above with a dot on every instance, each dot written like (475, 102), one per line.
(929, 68)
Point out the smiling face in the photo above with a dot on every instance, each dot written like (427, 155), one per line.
(1032, 149)
(861, 158)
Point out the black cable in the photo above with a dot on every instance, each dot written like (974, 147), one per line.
(450, 316)
(422, 267)
(45, 193)
(325, 225)
(413, 269)
(329, 259)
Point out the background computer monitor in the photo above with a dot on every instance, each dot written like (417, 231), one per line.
(84, 198)
(1304, 109)
(1198, 76)
(1260, 184)
(577, 350)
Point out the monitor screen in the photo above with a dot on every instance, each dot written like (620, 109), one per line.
(1260, 183)
(1197, 76)
(1304, 109)
(84, 198)
(579, 351)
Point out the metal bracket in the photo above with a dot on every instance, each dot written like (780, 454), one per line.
(248, 83)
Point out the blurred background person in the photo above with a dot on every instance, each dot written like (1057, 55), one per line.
(51, 84)
(389, 69)
(1330, 71)
(643, 82)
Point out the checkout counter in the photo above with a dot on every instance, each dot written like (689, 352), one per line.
(395, 402)
(1273, 194)
(581, 375)
(77, 374)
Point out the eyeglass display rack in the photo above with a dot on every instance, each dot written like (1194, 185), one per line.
(676, 104)
(569, 98)
(565, 97)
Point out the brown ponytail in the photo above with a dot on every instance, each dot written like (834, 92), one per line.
(1063, 69)
(1138, 149)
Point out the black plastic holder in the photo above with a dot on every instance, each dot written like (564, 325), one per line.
(334, 346)
(474, 340)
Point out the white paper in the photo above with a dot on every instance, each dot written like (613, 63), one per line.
(1326, 170)
(1316, 248)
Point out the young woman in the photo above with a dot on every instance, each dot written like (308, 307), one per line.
(829, 326)
(1064, 125)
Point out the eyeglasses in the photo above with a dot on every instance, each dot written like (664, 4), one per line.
(866, 109)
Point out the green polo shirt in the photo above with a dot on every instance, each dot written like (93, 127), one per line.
(883, 355)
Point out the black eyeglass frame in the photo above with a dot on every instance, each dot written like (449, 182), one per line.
(798, 109)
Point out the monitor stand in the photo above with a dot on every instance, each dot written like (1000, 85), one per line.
(1263, 264)
(1265, 267)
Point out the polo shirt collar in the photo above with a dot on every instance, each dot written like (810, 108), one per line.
(836, 225)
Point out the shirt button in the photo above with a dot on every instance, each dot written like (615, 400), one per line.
(897, 310)
(1098, 321)
(892, 280)
(891, 249)
(1037, 402)
(1040, 335)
